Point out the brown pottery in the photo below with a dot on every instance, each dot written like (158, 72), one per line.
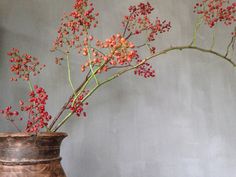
(24, 155)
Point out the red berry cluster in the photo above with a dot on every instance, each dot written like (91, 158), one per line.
(215, 11)
(38, 117)
(8, 113)
(84, 45)
(75, 25)
(77, 106)
(145, 70)
(141, 9)
(120, 52)
(139, 21)
(157, 27)
(23, 65)
(11, 115)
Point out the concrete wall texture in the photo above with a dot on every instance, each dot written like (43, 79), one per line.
(179, 124)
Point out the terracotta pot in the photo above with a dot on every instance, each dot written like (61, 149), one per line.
(24, 155)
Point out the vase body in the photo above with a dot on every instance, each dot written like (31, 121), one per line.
(24, 155)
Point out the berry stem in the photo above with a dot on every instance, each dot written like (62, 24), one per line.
(69, 73)
(126, 26)
(63, 108)
(196, 28)
(63, 121)
(87, 82)
(90, 65)
(30, 85)
(213, 38)
(165, 51)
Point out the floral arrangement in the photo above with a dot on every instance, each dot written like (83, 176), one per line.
(104, 61)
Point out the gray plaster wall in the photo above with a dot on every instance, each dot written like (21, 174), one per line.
(179, 124)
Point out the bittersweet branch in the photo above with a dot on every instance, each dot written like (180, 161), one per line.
(73, 97)
(165, 51)
(64, 107)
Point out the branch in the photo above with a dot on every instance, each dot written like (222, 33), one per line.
(130, 34)
(79, 89)
(90, 65)
(121, 66)
(213, 39)
(127, 24)
(88, 80)
(139, 64)
(197, 26)
(63, 108)
(142, 45)
(223, 57)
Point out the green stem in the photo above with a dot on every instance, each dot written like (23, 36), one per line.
(69, 72)
(197, 26)
(139, 64)
(86, 83)
(63, 121)
(85, 98)
(213, 39)
(82, 89)
(91, 67)
(64, 107)
(30, 85)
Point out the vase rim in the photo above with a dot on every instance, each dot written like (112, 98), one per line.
(40, 134)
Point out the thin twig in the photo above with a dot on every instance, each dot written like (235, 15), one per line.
(64, 107)
(142, 45)
(121, 66)
(69, 72)
(213, 39)
(130, 34)
(228, 46)
(90, 65)
(127, 24)
(197, 26)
